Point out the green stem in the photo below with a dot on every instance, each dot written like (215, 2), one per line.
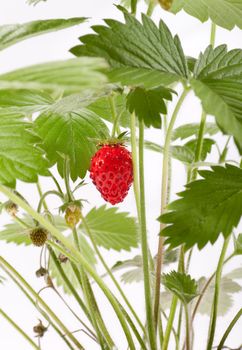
(41, 302)
(43, 197)
(66, 179)
(214, 310)
(187, 327)
(21, 222)
(41, 194)
(224, 152)
(97, 320)
(144, 242)
(213, 34)
(170, 323)
(56, 183)
(151, 7)
(109, 272)
(164, 190)
(19, 329)
(179, 324)
(134, 6)
(199, 146)
(229, 329)
(74, 256)
(40, 310)
(69, 285)
(135, 162)
(114, 115)
(205, 288)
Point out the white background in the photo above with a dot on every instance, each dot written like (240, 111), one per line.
(55, 46)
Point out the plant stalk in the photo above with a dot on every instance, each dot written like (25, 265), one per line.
(229, 329)
(144, 242)
(164, 190)
(74, 256)
(19, 329)
(109, 272)
(214, 311)
(170, 323)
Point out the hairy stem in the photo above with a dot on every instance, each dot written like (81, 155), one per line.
(199, 146)
(213, 34)
(109, 272)
(19, 329)
(229, 329)
(135, 162)
(144, 242)
(187, 327)
(74, 256)
(170, 323)
(214, 311)
(10, 268)
(164, 191)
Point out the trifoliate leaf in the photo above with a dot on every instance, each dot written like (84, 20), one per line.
(70, 76)
(218, 84)
(225, 13)
(187, 130)
(10, 34)
(112, 229)
(19, 157)
(238, 245)
(26, 101)
(180, 284)
(70, 134)
(102, 108)
(89, 255)
(148, 105)
(16, 233)
(139, 53)
(208, 207)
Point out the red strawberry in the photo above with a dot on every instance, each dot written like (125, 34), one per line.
(111, 172)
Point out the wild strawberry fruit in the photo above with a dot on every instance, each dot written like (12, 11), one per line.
(38, 236)
(72, 215)
(11, 208)
(111, 172)
(166, 4)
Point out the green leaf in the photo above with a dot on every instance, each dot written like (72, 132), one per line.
(11, 34)
(149, 104)
(218, 82)
(112, 229)
(68, 76)
(225, 13)
(69, 133)
(135, 50)
(206, 147)
(187, 130)
(89, 256)
(180, 284)
(19, 156)
(25, 100)
(16, 233)
(208, 207)
(238, 245)
(102, 108)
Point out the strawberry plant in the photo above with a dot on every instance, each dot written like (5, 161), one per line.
(84, 126)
